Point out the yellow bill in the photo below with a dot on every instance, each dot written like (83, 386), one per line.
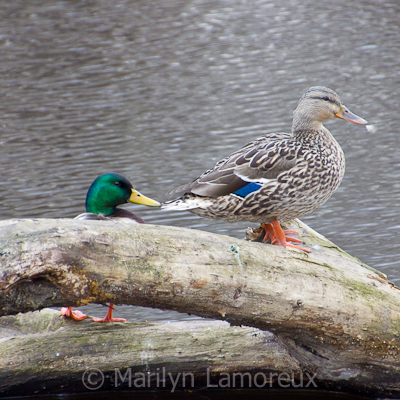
(138, 198)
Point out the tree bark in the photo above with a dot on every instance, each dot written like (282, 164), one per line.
(335, 316)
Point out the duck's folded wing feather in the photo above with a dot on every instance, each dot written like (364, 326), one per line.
(91, 216)
(258, 161)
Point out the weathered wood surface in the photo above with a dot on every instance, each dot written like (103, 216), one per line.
(335, 316)
(42, 351)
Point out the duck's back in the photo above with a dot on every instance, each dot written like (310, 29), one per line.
(223, 178)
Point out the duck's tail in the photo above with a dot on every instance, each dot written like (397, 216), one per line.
(187, 202)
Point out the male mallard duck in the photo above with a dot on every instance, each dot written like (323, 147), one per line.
(277, 177)
(104, 195)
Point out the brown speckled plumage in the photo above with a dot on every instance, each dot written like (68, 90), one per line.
(296, 173)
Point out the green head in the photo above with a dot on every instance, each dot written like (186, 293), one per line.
(110, 190)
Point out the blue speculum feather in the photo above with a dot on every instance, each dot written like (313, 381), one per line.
(250, 188)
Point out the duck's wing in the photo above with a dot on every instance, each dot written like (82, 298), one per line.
(91, 217)
(125, 215)
(260, 160)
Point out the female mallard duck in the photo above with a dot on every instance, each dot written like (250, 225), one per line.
(277, 177)
(104, 195)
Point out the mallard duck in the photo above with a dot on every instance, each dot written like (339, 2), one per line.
(277, 177)
(104, 195)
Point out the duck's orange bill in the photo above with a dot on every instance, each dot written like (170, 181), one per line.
(347, 115)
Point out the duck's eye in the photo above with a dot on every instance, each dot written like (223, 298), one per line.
(117, 183)
(326, 98)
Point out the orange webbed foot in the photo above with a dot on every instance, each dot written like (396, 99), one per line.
(291, 239)
(76, 315)
(109, 317)
(274, 232)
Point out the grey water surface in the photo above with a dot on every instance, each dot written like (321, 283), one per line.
(161, 90)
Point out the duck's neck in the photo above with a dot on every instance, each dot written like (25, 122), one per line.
(101, 208)
(98, 203)
(303, 122)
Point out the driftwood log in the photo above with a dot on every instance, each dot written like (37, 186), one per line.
(322, 319)
(46, 353)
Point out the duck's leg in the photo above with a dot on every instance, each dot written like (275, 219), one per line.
(76, 315)
(270, 234)
(109, 317)
(274, 232)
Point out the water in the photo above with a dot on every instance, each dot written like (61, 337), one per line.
(160, 91)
